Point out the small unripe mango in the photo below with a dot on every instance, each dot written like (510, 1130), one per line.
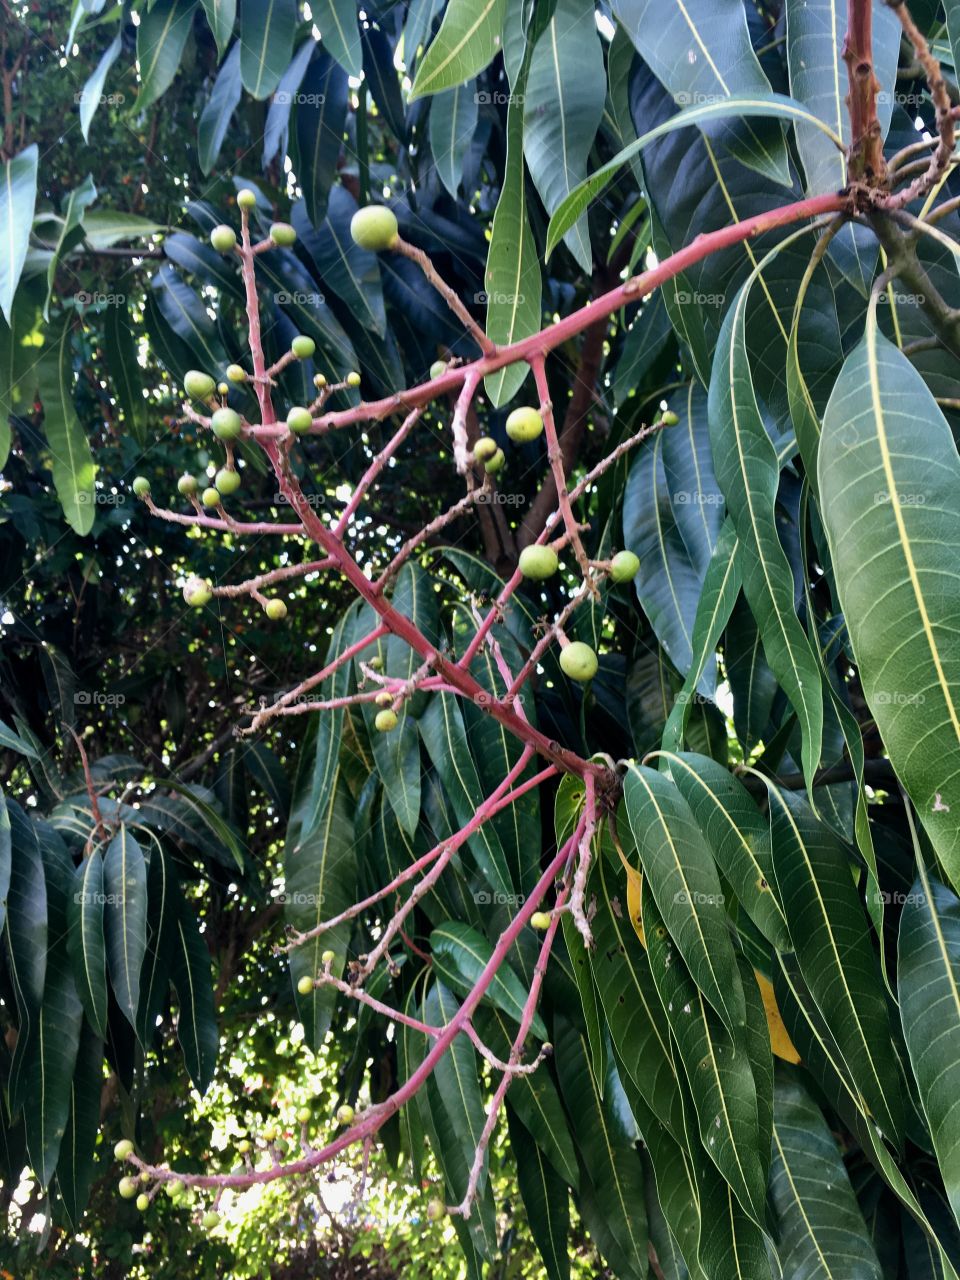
(123, 1149)
(197, 591)
(345, 1114)
(385, 721)
(223, 238)
(540, 920)
(436, 1210)
(495, 464)
(187, 486)
(304, 1115)
(227, 480)
(578, 661)
(485, 448)
(236, 373)
(210, 497)
(624, 566)
(303, 347)
(246, 198)
(128, 1188)
(538, 562)
(299, 419)
(353, 378)
(141, 486)
(328, 958)
(283, 235)
(210, 1220)
(305, 985)
(143, 1202)
(438, 368)
(669, 419)
(374, 227)
(524, 424)
(226, 424)
(275, 609)
(198, 385)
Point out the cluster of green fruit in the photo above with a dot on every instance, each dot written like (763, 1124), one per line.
(132, 1188)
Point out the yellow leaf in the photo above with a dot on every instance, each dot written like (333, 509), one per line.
(780, 1041)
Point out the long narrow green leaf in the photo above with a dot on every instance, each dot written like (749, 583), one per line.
(85, 943)
(125, 919)
(890, 501)
(18, 195)
(161, 37)
(469, 37)
(682, 877)
(267, 28)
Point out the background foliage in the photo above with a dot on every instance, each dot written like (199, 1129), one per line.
(795, 609)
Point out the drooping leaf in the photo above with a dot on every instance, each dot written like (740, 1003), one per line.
(453, 119)
(611, 1184)
(70, 231)
(563, 105)
(85, 942)
(928, 981)
(889, 475)
(682, 878)
(469, 38)
(320, 117)
(831, 939)
(748, 469)
(546, 1201)
(17, 200)
(221, 15)
(512, 276)
(461, 954)
(91, 95)
(217, 114)
(77, 1164)
(822, 1232)
(121, 354)
(125, 918)
(337, 23)
(196, 1013)
(702, 52)
(72, 462)
(161, 37)
(267, 28)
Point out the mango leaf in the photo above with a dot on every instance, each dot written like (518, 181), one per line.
(445, 738)
(702, 52)
(186, 315)
(51, 1052)
(276, 129)
(512, 275)
(320, 118)
(337, 23)
(682, 878)
(453, 1109)
(6, 854)
(469, 37)
(161, 37)
(121, 354)
(85, 942)
(163, 901)
(724, 1092)
(72, 462)
(11, 741)
(748, 469)
(453, 119)
(27, 938)
(822, 1231)
(889, 476)
(221, 15)
(460, 954)
(695, 496)
(218, 112)
(562, 109)
(611, 1184)
(196, 1015)
(534, 1098)
(546, 1201)
(635, 1017)
(832, 944)
(267, 28)
(70, 232)
(104, 228)
(818, 78)
(738, 834)
(125, 918)
(77, 1164)
(667, 586)
(718, 596)
(91, 95)
(928, 981)
(772, 104)
(17, 201)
